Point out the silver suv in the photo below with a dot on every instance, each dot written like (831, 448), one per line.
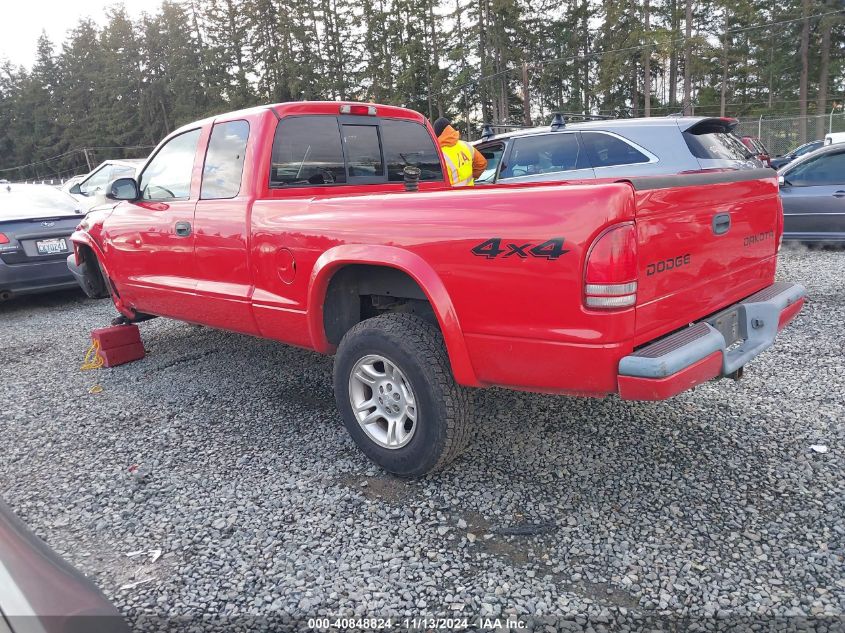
(617, 148)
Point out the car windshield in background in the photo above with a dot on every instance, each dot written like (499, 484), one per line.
(715, 142)
(493, 154)
(35, 199)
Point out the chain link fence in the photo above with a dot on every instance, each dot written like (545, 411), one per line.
(781, 135)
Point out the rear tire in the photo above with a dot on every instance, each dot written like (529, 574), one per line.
(395, 391)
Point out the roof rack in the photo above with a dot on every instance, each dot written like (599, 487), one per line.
(559, 119)
(487, 129)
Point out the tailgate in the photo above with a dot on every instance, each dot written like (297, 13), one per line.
(705, 241)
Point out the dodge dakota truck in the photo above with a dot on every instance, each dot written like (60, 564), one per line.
(330, 226)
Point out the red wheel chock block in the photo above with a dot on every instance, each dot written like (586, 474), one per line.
(118, 344)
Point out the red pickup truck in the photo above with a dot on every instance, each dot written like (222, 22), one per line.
(303, 223)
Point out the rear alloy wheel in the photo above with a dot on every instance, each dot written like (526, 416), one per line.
(395, 390)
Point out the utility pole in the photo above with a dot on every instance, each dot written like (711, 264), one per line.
(87, 158)
(647, 61)
(526, 97)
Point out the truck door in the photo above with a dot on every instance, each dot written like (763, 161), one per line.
(151, 238)
(221, 231)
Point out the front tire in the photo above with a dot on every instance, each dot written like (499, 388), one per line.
(395, 391)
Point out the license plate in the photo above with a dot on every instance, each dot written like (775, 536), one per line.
(51, 247)
(727, 322)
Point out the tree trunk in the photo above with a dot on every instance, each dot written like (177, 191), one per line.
(586, 30)
(805, 72)
(688, 58)
(526, 96)
(673, 53)
(647, 62)
(824, 66)
(724, 86)
(435, 51)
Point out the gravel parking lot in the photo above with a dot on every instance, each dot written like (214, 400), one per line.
(709, 510)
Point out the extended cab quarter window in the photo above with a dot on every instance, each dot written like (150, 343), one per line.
(605, 150)
(307, 151)
(168, 175)
(408, 143)
(224, 160)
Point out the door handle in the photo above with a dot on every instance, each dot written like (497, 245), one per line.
(721, 223)
(839, 194)
(183, 229)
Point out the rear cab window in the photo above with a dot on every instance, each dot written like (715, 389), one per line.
(323, 150)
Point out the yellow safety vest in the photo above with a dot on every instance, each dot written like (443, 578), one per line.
(459, 162)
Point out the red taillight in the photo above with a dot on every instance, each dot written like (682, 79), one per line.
(364, 110)
(610, 280)
(3, 239)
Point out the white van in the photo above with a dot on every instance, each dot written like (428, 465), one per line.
(834, 137)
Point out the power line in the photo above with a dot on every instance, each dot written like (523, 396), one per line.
(75, 151)
(39, 162)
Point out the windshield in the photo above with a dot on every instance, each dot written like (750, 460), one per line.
(493, 154)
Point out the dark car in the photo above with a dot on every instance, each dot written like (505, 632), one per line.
(614, 148)
(756, 147)
(813, 193)
(801, 150)
(41, 592)
(35, 226)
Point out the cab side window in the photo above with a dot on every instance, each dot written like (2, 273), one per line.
(605, 150)
(544, 154)
(168, 174)
(224, 160)
(307, 152)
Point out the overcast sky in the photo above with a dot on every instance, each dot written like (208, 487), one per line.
(21, 22)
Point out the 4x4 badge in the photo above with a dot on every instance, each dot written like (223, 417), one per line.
(492, 248)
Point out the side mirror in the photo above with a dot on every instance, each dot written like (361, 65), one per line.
(76, 190)
(123, 189)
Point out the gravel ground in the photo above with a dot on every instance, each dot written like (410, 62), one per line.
(708, 511)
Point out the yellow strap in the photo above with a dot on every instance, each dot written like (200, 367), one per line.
(93, 358)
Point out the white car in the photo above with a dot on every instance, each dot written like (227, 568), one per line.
(834, 137)
(86, 190)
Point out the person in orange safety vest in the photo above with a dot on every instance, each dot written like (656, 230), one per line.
(464, 162)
